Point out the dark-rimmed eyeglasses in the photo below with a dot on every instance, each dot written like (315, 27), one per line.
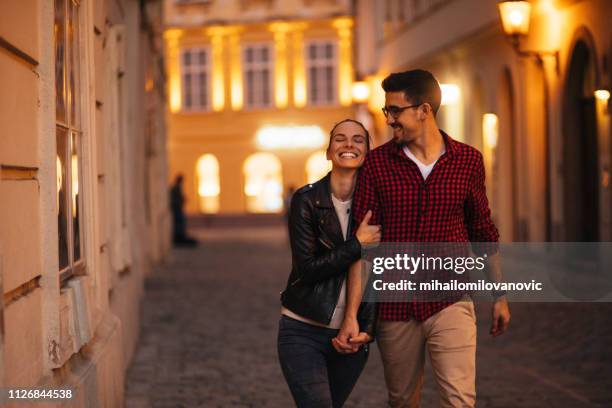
(395, 111)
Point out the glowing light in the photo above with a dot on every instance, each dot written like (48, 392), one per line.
(299, 66)
(602, 95)
(451, 94)
(345, 67)
(515, 17)
(60, 180)
(236, 72)
(75, 183)
(263, 183)
(490, 129)
(290, 137)
(281, 95)
(361, 92)
(174, 82)
(207, 170)
(377, 97)
(218, 90)
(317, 166)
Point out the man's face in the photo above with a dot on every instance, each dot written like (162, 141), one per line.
(406, 124)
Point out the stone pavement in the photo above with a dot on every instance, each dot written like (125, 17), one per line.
(208, 338)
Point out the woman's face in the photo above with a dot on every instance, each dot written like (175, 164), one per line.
(348, 146)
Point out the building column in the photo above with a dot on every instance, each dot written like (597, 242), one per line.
(174, 70)
(281, 83)
(218, 75)
(345, 68)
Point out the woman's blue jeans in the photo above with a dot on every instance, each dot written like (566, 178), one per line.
(318, 376)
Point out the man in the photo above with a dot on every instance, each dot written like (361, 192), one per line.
(423, 186)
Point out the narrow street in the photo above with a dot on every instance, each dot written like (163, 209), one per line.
(208, 338)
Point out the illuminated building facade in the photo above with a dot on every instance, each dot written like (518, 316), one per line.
(254, 88)
(532, 94)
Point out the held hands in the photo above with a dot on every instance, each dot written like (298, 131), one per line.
(349, 339)
(368, 234)
(500, 314)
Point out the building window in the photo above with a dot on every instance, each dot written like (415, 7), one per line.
(321, 66)
(263, 185)
(69, 134)
(208, 183)
(195, 71)
(258, 69)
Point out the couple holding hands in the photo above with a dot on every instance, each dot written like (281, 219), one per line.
(421, 186)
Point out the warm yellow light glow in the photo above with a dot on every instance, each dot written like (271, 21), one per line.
(602, 95)
(174, 78)
(345, 66)
(218, 89)
(207, 170)
(75, 183)
(281, 95)
(515, 17)
(263, 185)
(236, 72)
(290, 137)
(299, 70)
(490, 129)
(451, 94)
(361, 91)
(377, 97)
(60, 179)
(317, 166)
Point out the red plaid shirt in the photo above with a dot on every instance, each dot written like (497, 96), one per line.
(450, 206)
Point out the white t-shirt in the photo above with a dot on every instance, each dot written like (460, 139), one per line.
(343, 210)
(424, 168)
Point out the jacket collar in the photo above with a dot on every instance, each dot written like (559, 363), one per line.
(322, 192)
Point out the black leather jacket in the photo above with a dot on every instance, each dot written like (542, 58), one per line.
(320, 257)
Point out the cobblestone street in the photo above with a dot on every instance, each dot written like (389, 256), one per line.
(208, 338)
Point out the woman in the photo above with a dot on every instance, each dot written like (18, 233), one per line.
(319, 373)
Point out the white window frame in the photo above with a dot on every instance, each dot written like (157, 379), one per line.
(318, 63)
(195, 68)
(77, 129)
(258, 66)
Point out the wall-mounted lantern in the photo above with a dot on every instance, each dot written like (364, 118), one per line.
(515, 16)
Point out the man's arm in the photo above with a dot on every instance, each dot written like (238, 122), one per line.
(500, 313)
(484, 237)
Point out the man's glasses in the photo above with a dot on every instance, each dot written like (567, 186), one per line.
(395, 111)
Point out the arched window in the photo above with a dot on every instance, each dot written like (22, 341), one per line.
(263, 185)
(317, 166)
(208, 183)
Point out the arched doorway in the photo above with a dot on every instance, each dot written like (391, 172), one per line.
(207, 170)
(263, 183)
(580, 151)
(505, 168)
(317, 166)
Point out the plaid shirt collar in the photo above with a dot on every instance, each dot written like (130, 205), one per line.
(396, 149)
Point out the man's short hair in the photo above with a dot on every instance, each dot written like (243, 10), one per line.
(419, 86)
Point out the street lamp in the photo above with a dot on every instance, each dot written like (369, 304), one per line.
(515, 16)
(360, 92)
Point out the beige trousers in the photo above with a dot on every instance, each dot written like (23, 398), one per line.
(450, 339)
